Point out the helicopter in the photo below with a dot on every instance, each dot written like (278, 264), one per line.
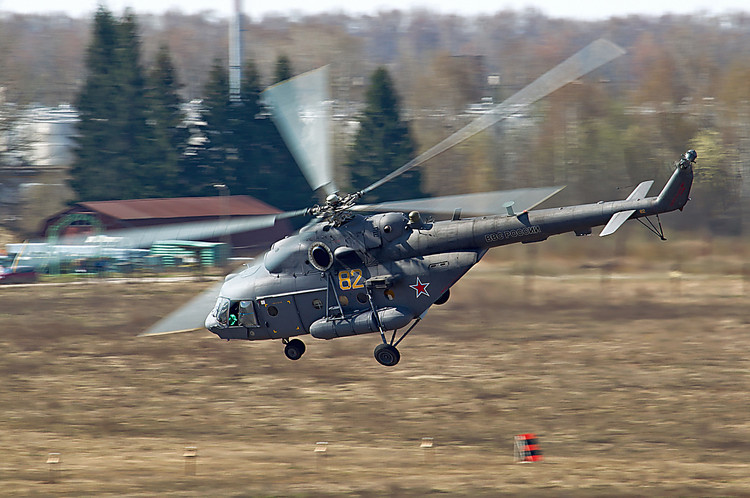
(348, 273)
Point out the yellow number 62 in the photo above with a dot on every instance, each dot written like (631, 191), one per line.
(350, 279)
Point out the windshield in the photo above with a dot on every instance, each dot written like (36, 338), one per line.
(233, 313)
(221, 310)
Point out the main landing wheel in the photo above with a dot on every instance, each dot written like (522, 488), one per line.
(387, 355)
(294, 349)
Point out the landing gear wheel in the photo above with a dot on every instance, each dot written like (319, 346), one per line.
(387, 355)
(294, 349)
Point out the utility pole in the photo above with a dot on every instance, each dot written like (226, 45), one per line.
(235, 52)
(226, 214)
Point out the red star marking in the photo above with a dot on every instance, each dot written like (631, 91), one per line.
(421, 288)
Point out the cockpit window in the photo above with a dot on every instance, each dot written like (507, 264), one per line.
(234, 308)
(234, 313)
(247, 316)
(221, 310)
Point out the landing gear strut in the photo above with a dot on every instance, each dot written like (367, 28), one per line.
(294, 349)
(386, 353)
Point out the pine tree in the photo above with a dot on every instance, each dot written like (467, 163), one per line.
(383, 144)
(167, 119)
(96, 154)
(243, 149)
(206, 163)
(283, 69)
(281, 182)
(118, 153)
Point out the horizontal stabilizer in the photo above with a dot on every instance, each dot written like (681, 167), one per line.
(640, 191)
(618, 219)
(616, 222)
(484, 203)
(191, 316)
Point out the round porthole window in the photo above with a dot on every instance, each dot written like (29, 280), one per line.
(273, 310)
(344, 300)
(362, 297)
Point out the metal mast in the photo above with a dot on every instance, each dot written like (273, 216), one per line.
(235, 52)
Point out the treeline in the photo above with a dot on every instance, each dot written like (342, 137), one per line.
(42, 57)
(683, 84)
(136, 139)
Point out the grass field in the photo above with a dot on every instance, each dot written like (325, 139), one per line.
(635, 381)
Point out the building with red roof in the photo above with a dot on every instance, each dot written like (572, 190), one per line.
(108, 216)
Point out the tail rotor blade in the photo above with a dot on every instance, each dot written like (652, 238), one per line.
(591, 57)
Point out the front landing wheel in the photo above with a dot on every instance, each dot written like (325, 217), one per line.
(294, 349)
(387, 355)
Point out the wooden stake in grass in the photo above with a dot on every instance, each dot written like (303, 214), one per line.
(427, 449)
(675, 276)
(191, 456)
(321, 450)
(54, 461)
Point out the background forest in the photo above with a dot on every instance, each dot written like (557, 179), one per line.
(684, 83)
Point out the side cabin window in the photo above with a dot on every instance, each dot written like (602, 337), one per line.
(235, 313)
(247, 316)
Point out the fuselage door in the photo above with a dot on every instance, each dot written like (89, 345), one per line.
(280, 316)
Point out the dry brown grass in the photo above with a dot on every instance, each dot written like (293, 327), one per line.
(636, 383)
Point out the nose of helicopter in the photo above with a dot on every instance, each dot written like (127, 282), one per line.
(212, 324)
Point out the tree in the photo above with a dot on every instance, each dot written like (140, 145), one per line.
(242, 147)
(716, 192)
(283, 69)
(118, 154)
(95, 167)
(14, 144)
(269, 171)
(383, 143)
(167, 119)
(205, 162)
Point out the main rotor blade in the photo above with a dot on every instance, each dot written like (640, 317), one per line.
(301, 109)
(593, 56)
(484, 203)
(189, 317)
(198, 230)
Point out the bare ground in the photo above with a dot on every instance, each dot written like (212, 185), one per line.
(636, 383)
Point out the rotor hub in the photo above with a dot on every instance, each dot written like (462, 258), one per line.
(336, 208)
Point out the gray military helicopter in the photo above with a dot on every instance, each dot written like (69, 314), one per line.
(347, 273)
